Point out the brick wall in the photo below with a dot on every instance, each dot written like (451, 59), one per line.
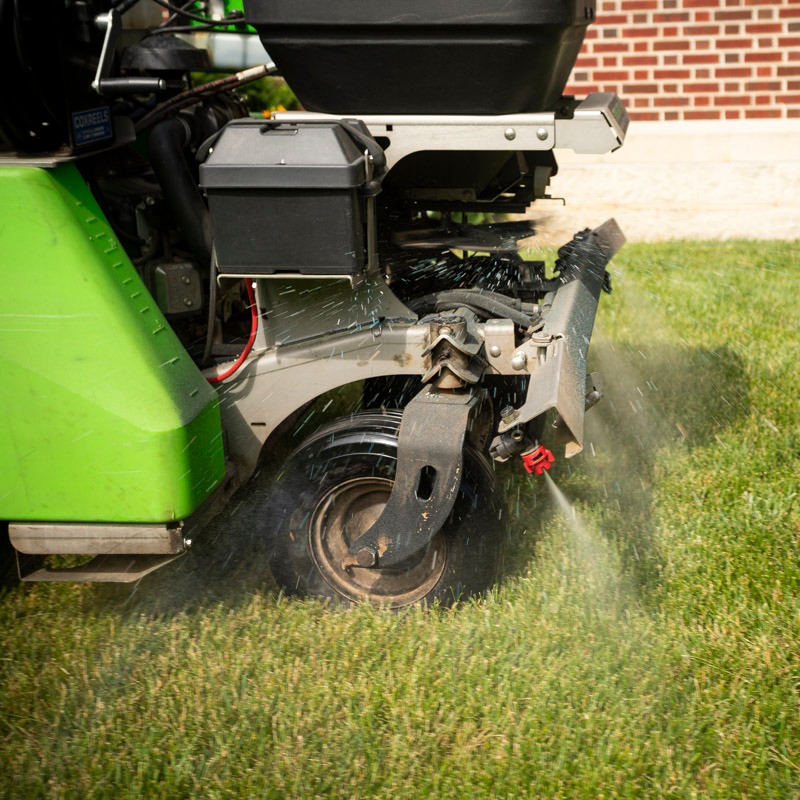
(695, 59)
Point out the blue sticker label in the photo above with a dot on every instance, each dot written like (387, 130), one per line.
(93, 125)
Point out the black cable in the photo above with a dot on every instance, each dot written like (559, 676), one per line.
(476, 300)
(212, 308)
(173, 17)
(160, 31)
(188, 14)
(197, 94)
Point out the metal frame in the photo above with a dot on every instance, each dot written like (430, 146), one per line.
(596, 125)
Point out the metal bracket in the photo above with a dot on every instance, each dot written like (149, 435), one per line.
(598, 125)
(427, 480)
(111, 25)
(558, 370)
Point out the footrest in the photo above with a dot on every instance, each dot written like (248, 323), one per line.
(101, 569)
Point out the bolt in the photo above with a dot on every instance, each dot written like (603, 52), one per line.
(186, 279)
(445, 330)
(366, 557)
(509, 414)
(187, 301)
(187, 543)
(510, 134)
(542, 134)
(495, 351)
(519, 360)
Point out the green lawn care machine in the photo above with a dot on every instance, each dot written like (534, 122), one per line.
(180, 281)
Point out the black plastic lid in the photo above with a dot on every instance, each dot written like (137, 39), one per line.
(254, 155)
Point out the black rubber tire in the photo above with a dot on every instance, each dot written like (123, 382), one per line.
(338, 480)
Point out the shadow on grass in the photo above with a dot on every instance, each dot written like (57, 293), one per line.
(659, 402)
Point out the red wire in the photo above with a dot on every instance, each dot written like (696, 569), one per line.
(248, 285)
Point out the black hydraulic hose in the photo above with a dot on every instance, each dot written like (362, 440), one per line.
(212, 308)
(165, 146)
(487, 302)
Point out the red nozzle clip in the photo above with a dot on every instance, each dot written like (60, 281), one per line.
(538, 460)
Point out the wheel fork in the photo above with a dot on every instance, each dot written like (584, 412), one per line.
(428, 476)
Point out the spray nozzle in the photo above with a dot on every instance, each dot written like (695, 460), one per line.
(538, 460)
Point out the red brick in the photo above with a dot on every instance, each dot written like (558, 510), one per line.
(732, 87)
(732, 30)
(703, 74)
(640, 88)
(639, 61)
(670, 31)
(639, 5)
(610, 33)
(701, 115)
(702, 44)
(763, 113)
(701, 100)
(672, 74)
(611, 47)
(639, 19)
(701, 58)
(753, 58)
(645, 116)
(762, 86)
(733, 100)
(641, 102)
(793, 113)
(701, 3)
(641, 46)
(641, 33)
(610, 75)
(662, 102)
(733, 72)
(610, 61)
(701, 30)
(789, 99)
(759, 2)
(730, 114)
(702, 16)
(764, 28)
(671, 17)
(792, 12)
(585, 62)
(793, 27)
(766, 13)
(764, 100)
(612, 19)
(733, 15)
(765, 72)
(670, 61)
(793, 86)
(789, 41)
(641, 74)
(733, 44)
(666, 46)
(704, 88)
(671, 116)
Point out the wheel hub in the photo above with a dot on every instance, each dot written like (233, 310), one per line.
(341, 516)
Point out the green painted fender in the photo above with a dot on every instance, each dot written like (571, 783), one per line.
(105, 418)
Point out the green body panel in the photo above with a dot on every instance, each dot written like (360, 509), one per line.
(105, 418)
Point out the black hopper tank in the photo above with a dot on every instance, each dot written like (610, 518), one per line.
(424, 56)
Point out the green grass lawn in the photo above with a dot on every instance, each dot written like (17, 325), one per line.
(648, 646)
